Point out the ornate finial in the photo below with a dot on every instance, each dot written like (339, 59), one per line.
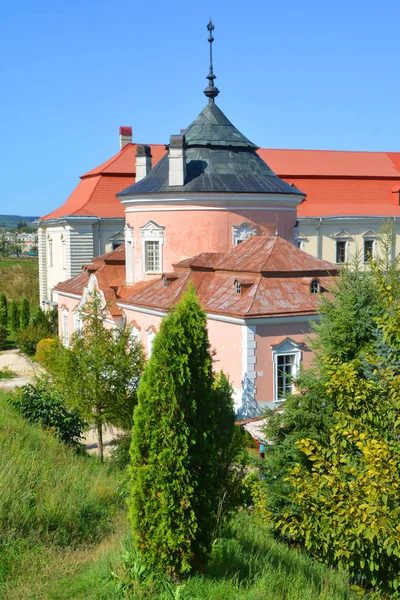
(211, 91)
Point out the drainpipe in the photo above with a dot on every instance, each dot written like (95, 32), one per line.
(395, 238)
(318, 239)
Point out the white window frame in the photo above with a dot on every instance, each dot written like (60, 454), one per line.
(242, 232)
(50, 242)
(65, 326)
(152, 232)
(286, 348)
(151, 334)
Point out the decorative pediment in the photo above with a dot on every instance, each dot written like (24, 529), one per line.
(342, 235)
(118, 235)
(92, 285)
(370, 234)
(152, 231)
(286, 345)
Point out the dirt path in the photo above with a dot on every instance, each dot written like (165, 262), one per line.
(17, 362)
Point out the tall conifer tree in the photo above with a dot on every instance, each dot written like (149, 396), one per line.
(14, 317)
(3, 311)
(25, 313)
(175, 445)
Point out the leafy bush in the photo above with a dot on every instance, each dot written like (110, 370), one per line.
(6, 373)
(47, 408)
(44, 350)
(43, 325)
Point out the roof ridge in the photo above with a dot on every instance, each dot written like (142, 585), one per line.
(255, 294)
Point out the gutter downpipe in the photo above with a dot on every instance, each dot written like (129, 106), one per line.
(318, 238)
(395, 239)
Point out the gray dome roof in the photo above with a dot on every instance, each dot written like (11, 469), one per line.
(218, 159)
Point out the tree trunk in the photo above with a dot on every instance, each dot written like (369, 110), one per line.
(100, 446)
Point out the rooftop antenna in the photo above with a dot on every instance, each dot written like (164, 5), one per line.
(211, 91)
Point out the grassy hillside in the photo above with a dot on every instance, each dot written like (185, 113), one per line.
(55, 506)
(11, 221)
(19, 278)
(64, 530)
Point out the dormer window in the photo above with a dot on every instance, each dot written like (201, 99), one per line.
(165, 281)
(237, 287)
(315, 287)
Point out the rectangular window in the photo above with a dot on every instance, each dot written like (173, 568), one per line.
(50, 253)
(65, 330)
(152, 256)
(368, 250)
(340, 252)
(285, 366)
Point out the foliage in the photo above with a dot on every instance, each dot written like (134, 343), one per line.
(3, 311)
(40, 404)
(45, 350)
(3, 332)
(345, 332)
(6, 373)
(14, 317)
(25, 313)
(183, 427)
(43, 325)
(99, 372)
(348, 511)
(48, 492)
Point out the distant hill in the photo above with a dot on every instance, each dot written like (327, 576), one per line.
(12, 221)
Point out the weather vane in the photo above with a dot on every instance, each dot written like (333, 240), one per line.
(211, 91)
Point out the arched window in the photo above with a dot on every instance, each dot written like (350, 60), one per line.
(314, 286)
(237, 287)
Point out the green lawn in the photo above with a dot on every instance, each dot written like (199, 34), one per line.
(19, 278)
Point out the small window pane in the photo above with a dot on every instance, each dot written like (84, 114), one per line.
(285, 372)
(152, 250)
(314, 287)
(368, 249)
(340, 252)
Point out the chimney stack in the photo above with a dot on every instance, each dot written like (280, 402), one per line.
(143, 161)
(125, 136)
(177, 160)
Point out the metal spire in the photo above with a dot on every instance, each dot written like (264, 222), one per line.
(211, 91)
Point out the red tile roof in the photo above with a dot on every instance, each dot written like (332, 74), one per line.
(279, 284)
(336, 182)
(95, 195)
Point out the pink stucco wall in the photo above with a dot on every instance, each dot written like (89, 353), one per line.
(189, 232)
(271, 335)
(69, 304)
(226, 341)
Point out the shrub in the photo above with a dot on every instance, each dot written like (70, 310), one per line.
(3, 336)
(43, 325)
(39, 404)
(44, 350)
(3, 311)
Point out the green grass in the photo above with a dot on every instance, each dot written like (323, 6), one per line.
(19, 278)
(55, 506)
(64, 529)
(7, 373)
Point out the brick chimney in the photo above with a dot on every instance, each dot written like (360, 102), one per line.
(125, 136)
(177, 160)
(143, 161)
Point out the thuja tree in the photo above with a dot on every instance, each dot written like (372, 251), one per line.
(3, 311)
(14, 317)
(99, 372)
(183, 424)
(25, 313)
(347, 510)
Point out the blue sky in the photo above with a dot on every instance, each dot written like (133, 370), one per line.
(292, 74)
